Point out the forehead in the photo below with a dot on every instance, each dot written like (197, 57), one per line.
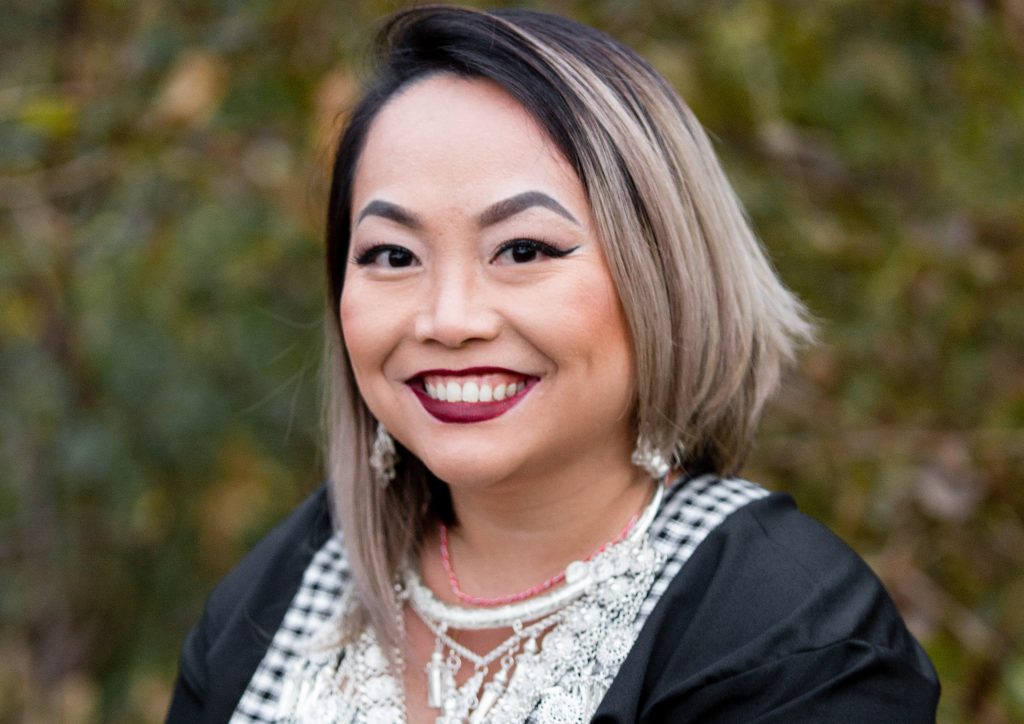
(467, 137)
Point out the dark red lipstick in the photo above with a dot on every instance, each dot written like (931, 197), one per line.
(467, 412)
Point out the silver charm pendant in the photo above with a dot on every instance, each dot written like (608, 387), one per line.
(492, 690)
(435, 680)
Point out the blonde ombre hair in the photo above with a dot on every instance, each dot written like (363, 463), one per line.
(711, 323)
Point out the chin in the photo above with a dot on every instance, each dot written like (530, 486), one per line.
(469, 472)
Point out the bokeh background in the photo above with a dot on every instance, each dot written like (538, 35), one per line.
(162, 183)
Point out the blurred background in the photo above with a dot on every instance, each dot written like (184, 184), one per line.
(162, 183)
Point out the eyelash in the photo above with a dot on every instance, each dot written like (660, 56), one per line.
(369, 256)
(535, 246)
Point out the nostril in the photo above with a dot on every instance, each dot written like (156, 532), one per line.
(456, 330)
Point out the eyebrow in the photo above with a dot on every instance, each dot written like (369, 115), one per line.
(394, 212)
(519, 203)
(493, 214)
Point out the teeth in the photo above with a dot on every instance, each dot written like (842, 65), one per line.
(471, 390)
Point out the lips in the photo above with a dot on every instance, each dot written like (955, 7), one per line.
(470, 395)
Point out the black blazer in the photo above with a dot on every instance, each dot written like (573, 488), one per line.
(773, 619)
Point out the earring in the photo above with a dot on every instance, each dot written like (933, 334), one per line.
(646, 456)
(383, 457)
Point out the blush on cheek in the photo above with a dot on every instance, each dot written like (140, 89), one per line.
(604, 313)
(354, 322)
(370, 334)
(345, 305)
(354, 339)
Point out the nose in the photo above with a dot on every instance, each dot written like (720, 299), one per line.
(458, 310)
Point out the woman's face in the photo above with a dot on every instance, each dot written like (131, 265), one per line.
(479, 315)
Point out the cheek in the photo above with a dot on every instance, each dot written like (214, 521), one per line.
(610, 358)
(587, 328)
(610, 339)
(351, 331)
(361, 332)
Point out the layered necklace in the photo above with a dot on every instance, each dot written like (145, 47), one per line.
(567, 642)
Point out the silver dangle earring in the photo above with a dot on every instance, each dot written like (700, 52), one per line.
(649, 458)
(383, 457)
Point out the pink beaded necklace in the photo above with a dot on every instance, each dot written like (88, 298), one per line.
(453, 580)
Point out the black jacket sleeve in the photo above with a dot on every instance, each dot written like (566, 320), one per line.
(242, 613)
(773, 619)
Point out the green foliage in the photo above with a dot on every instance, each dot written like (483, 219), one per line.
(162, 178)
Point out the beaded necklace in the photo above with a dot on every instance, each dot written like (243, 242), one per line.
(453, 580)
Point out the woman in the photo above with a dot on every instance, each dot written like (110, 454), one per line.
(553, 335)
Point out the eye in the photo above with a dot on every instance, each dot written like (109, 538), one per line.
(388, 256)
(523, 251)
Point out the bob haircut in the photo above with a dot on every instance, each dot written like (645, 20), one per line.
(711, 323)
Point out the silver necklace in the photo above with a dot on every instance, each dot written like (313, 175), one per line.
(579, 576)
(530, 620)
(554, 668)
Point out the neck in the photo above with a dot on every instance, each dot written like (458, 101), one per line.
(514, 534)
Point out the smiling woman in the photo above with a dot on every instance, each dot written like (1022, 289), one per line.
(475, 266)
(553, 334)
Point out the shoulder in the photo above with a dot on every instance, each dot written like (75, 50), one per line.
(769, 567)
(242, 613)
(773, 613)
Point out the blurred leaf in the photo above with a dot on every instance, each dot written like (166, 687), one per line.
(50, 116)
(192, 91)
